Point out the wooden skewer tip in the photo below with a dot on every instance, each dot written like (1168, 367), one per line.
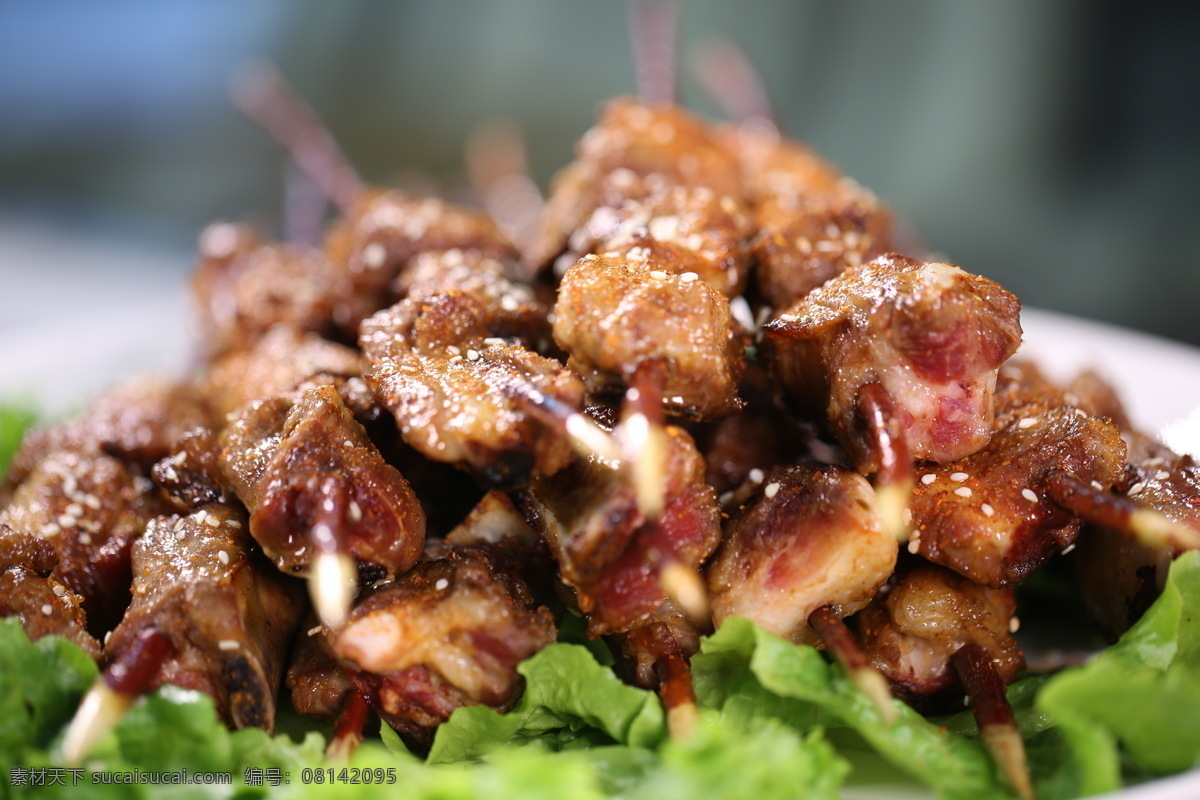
(98, 714)
(333, 584)
(685, 586)
(1004, 744)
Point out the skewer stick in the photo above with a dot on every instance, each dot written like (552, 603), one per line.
(1148, 525)
(333, 578)
(841, 642)
(726, 72)
(348, 733)
(893, 481)
(584, 432)
(264, 95)
(499, 173)
(684, 585)
(652, 27)
(997, 727)
(678, 694)
(643, 440)
(110, 697)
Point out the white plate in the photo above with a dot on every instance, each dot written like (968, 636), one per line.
(57, 364)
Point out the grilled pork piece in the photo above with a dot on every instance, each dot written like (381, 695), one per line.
(318, 684)
(447, 634)
(29, 591)
(228, 616)
(460, 394)
(802, 242)
(305, 467)
(642, 140)
(243, 286)
(384, 231)
(913, 631)
(608, 552)
(925, 340)
(658, 224)
(138, 421)
(988, 516)
(808, 538)
(613, 318)
(91, 507)
(285, 360)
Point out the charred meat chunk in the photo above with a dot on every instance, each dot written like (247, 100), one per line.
(931, 336)
(912, 632)
(304, 462)
(447, 634)
(228, 615)
(809, 538)
(612, 318)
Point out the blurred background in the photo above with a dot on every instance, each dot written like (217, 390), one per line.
(1050, 146)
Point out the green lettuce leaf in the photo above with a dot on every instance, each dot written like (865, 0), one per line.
(568, 696)
(747, 673)
(1141, 697)
(15, 419)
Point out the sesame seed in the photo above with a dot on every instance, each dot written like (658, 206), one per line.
(914, 545)
(374, 255)
(725, 498)
(1079, 412)
(228, 644)
(47, 609)
(688, 277)
(771, 490)
(963, 491)
(441, 584)
(223, 556)
(355, 511)
(212, 522)
(1027, 422)
(201, 515)
(959, 477)
(494, 340)
(1068, 548)
(473, 355)
(508, 303)
(453, 350)
(1014, 625)
(987, 509)
(1137, 487)
(233, 523)
(59, 590)
(455, 359)
(658, 275)
(756, 475)
(1161, 475)
(907, 516)
(314, 631)
(928, 478)
(1029, 495)
(51, 529)
(85, 538)
(75, 510)
(66, 521)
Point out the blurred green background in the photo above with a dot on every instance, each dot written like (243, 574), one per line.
(1052, 146)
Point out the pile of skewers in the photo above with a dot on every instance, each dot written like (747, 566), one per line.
(698, 382)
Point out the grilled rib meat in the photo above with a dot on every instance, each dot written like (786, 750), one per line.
(931, 336)
(228, 616)
(613, 317)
